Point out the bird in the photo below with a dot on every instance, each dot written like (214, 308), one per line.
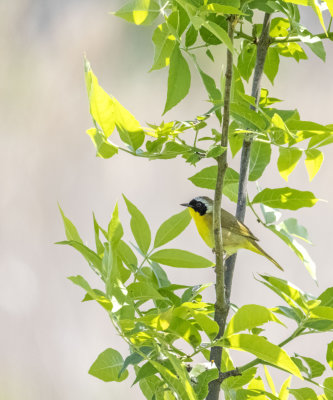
(235, 235)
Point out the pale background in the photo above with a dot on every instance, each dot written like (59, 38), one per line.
(48, 338)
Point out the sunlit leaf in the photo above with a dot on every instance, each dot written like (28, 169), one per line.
(115, 229)
(248, 317)
(286, 198)
(288, 159)
(164, 43)
(139, 12)
(284, 391)
(313, 161)
(262, 349)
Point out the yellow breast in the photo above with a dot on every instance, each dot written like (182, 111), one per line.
(204, 225)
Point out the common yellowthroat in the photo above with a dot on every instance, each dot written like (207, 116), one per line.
(235, 235)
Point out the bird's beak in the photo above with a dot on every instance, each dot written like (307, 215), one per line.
(185, 204)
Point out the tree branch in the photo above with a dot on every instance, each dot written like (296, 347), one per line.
(263, 44)
(221, 305)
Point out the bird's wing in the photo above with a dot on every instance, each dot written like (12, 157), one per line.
(231, 223)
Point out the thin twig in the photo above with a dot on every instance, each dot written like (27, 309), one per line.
(221, 305)
(263, 44)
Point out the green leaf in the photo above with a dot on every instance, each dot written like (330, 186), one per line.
(328, 388)
(179, 80)
(139, 12)
(313, 42)
(164, 42)
(287, 288)
(191, 36)
(70, 230)
(303, 394)
(264, 350)
(143, 372)
(214, 94)
(282, 231)
(160, 274)
(215, 151)
(208, 325)
(235, 382)
(313, 161)
(288, 159)
(329, 354)
(260, 157)
(127, 255)
(326, 297)
(107, 366)
(115, 230)
(143, 291)
(248, 317)
(92, 294)
(292, 226)
(272, 62)
(247, 117)
(104, 148)
(219, 33)
(92, 258)
(139, 227)
(99, 245)
(180, 259)
(222, 9)
(285, 198)
(247, 59)
(322, 312)
(182, 387)
(202, 381)
(172, 228)
(316, 368)
(206, 178)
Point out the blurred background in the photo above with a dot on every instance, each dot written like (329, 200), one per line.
(48, 338)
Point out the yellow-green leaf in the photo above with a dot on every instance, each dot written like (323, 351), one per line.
(139, 12)
(313, 161)
(287, 161)
(264, 350)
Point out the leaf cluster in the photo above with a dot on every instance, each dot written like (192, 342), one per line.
(156, 317)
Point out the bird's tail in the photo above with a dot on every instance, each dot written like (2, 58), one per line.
(257, 249)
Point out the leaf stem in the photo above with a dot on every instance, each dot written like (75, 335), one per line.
(298, 39)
